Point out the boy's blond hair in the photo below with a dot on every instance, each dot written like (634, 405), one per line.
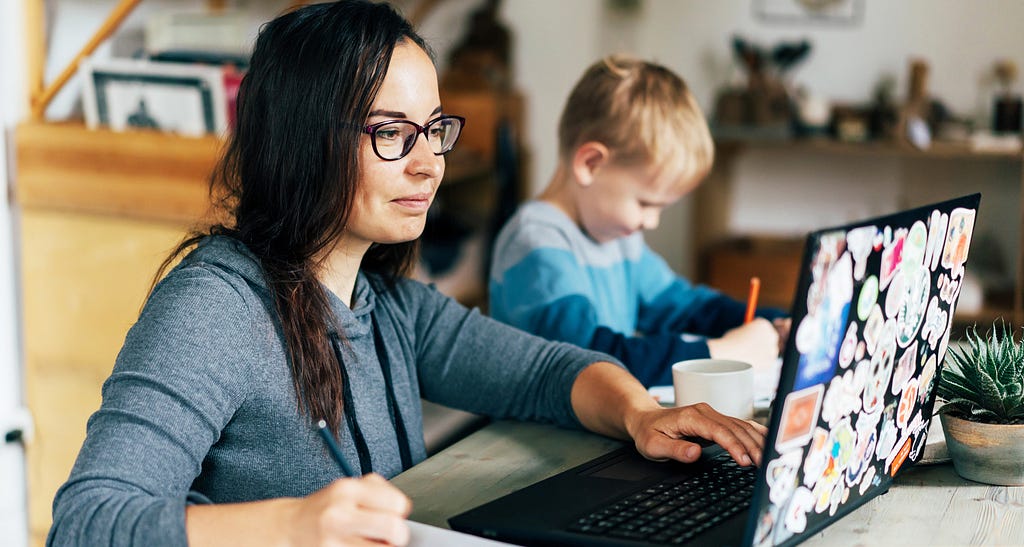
(643, 112)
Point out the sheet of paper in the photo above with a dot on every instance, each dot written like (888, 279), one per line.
(766, 382)
(425, 535)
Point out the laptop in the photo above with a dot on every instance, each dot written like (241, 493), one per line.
(871, 322)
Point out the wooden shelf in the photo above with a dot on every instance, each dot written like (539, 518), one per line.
(139, 174)
(938, 149)
(712, 207)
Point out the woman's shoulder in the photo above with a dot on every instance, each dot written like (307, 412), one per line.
(218, 277)
(408, 297)
(399, 289)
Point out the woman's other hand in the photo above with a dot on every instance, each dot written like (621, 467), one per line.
(359, 511)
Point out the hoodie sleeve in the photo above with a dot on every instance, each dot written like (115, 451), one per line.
(175, 384)
(477, 364)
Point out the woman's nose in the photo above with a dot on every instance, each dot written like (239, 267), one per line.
(423, 161)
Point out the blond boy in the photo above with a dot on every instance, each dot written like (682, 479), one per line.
(572, 265)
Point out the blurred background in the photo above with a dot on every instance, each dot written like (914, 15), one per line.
(824, 112)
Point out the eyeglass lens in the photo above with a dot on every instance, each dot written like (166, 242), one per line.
(395, 139)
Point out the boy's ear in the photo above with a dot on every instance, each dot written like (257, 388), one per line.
(589, 157)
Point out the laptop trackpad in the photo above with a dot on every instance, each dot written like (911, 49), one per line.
(627, 468)
(631, 466)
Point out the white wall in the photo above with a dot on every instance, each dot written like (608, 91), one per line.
(960, 40)
(13, 513)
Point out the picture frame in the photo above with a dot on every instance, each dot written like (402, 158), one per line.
(127, 94)
(826, 12)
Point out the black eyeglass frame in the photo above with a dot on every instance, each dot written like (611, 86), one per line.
(371, 130)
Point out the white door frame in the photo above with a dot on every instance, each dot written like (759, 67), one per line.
(13, 416)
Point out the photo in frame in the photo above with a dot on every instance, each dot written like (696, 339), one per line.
(828, 12)
(181, 98)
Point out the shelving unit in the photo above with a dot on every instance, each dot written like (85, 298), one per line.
(138, 174)
(728, 263)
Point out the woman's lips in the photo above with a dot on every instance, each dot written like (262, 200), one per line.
(417, 202)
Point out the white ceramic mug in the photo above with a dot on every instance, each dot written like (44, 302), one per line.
(728, 386)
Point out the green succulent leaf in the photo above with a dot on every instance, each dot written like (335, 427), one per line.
(983, 379)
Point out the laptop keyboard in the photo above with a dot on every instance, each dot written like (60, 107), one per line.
(674, 512)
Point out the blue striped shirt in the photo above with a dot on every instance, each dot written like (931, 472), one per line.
(549, 278)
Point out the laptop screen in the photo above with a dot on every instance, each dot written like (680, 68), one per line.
(871, 322)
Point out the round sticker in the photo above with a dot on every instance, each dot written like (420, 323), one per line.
(915, 247)
(868, 297)
(912, 306)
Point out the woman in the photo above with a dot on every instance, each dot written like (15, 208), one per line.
(297, 312)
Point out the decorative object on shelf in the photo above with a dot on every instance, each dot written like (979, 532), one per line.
(224, 33)
(813, 112)
(922, 116)
(763, 106)
(827, 12)
(1006, 115)
(884, 117)
(482, 59)
(187, 99)
(981, 387)
(851, 123)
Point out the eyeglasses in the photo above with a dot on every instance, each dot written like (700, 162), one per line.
(394, 139)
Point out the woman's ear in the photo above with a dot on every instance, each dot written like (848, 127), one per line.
(587, 160)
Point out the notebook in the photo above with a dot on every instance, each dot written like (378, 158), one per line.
(871, 322)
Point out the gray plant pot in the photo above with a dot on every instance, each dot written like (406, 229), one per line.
(988, 453)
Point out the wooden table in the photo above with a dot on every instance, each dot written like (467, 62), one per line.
(928, 505)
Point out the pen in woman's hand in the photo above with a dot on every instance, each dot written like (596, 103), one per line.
(333, 448)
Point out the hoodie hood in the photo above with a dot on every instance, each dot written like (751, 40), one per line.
(234, 257)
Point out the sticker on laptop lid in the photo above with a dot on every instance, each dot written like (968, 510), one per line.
(958, 239)
(936, 238)
(799, 415)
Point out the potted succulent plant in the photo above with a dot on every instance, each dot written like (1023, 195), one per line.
(981, 388)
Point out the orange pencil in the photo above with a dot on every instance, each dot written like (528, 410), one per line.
(755, 288)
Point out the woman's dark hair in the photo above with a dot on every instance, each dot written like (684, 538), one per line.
(290, 169)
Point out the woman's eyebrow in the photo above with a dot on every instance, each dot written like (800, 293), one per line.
(387, 113)
(397, 114)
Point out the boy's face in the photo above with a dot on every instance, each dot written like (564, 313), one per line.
(621, 200)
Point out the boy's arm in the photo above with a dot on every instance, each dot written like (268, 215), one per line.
(649, 358)
(573, 319)
(542, 294)
(671, 304)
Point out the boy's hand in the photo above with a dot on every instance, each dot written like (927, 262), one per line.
(660, 434)
(756, 342)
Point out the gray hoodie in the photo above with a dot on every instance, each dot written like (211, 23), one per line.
(200, 406)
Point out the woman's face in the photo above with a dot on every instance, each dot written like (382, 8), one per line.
(392, 197)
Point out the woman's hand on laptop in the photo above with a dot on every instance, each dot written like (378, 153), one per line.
(607, 399)
(672, 433)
